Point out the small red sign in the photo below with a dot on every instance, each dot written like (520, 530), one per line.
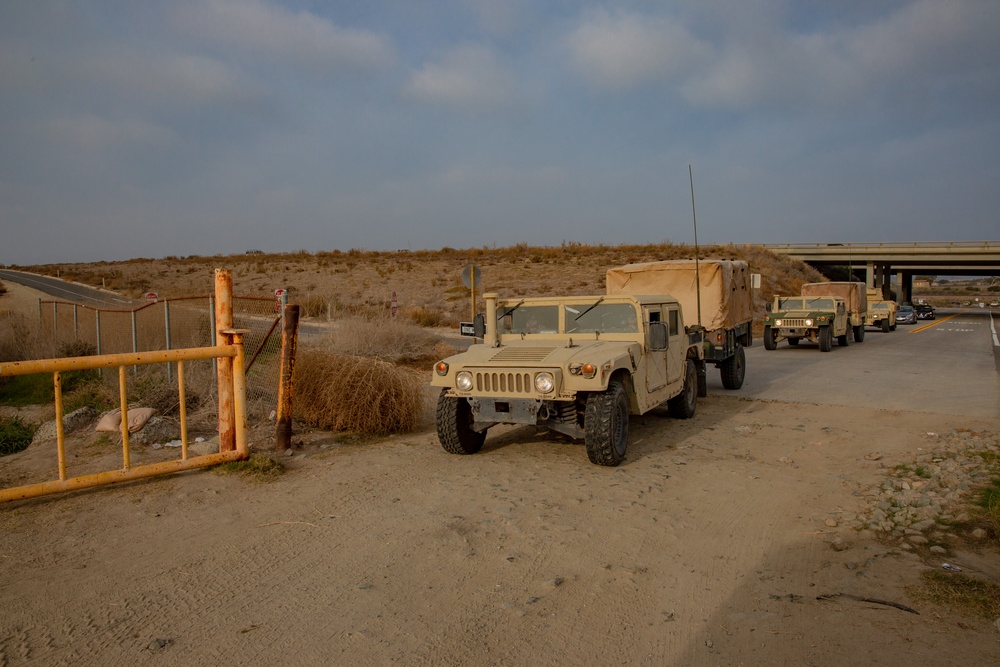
(151, 297)
(278, 293)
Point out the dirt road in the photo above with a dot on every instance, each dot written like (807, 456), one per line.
(709, 546)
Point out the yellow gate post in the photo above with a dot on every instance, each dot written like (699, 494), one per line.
(224, 322)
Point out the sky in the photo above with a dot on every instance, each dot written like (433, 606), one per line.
(140, 128)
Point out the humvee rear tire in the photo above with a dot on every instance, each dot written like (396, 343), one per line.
(845, 340)
(683, 405)
(770, 338)
(825, 339)
(885, 326)
(454, 426)
(859, 334)
(734, 369)
(605, 425)
(794, 341)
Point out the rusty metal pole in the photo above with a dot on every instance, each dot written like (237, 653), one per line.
(289, 342)
(223, 322)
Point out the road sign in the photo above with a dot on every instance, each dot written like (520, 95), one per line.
(151, 297)
(470, 271)
(280, 292)
(467, 329)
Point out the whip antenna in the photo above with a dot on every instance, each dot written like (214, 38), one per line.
(697, 271)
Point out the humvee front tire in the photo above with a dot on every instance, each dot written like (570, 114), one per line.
(734, 369)
(683, 405)
(605, 425)
(859, 333)
(845, 340)
(825, 339)
(454, 426)
(770, 338)
(885, 326)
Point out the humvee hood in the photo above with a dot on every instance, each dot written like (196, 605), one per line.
(544, 353)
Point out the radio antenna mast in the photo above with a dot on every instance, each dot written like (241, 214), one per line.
(697, 270)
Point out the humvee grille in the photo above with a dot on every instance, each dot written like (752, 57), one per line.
(517, 354)
(505, 382)
(795, 324)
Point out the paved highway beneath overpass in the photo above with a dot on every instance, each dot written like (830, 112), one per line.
(875, 263)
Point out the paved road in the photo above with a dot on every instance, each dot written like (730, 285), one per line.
(949, 366)
(66, 291)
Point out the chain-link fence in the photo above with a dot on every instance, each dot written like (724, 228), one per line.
(170, 324)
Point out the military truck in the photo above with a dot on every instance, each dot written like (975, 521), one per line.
(881, 312)
(576, 365)
(822, 312)
(716, 294)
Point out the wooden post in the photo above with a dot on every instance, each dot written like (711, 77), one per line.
(289, 342)
(223, 322)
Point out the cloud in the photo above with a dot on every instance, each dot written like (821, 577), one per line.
(621, 50)
(93, 134)
(467, 78)
(267, 30)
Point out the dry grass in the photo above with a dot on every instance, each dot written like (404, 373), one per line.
(393, 340)
(341, 392)
(20, 338)
(961, 593)
(257, 468)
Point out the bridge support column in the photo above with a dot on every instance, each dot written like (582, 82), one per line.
(871, 273)
(885, 281)
(904, 290)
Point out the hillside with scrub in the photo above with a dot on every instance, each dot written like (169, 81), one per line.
(427, 283)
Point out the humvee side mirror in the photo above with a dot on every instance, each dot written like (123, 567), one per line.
(767, 306)
(657, 336)
(479, 325)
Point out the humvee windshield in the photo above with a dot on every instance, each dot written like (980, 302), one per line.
(805, 303)
(579, 317)
(880, 306)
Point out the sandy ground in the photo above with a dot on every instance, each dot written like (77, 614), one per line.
(710, 546)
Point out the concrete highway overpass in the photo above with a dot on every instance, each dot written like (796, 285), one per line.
(875, 263)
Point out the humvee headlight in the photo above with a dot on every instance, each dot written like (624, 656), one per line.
(464, 381)
(809, 323)
(777, 323)
(441, 368)
(588, 370)
(545, 383)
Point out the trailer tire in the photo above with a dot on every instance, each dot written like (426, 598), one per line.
(734, 369)
(859, 334)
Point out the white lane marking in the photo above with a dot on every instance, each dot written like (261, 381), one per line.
(993, 328)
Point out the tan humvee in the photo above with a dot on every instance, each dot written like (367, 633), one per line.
(714, 294)
(855, 297)
(881, 312)
(818, 319)
(576, 365)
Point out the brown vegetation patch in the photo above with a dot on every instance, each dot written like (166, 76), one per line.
(342, 392)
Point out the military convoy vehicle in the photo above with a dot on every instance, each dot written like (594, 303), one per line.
(824, 311)
(576, 365)
(881, 312)
(714, 293)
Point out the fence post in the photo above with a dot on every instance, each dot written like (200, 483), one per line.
(55, 323)
(289, 341)
(224, 374)
(213, 331)
(39, 312)
(135, 341)
(97, 317)
(76, 324)
(166, 323)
